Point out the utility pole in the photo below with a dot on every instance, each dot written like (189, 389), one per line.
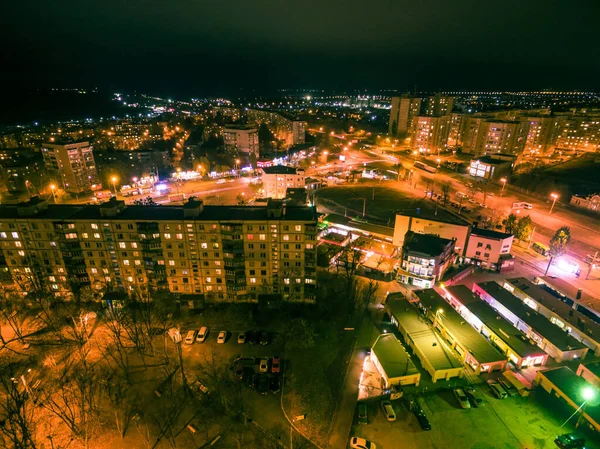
(364, 207)
(531, 238)
(592, 264)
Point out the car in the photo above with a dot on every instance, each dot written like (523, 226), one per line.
(221, 181)
(252, 337)
(461, 397)
(201, 387)
(202, 334)
(222, 336)
(263, 385)
(275, 364)
(388, 410)
(362, 414)
(361, 443)
(238, 371)
(264, 365)
(275, 385)
(421, 418)
(264, 338)
(190, 337)
(510, 388)
(474, 396)
(570, 441)
(242, 338)
(250, 377)
(496, 389)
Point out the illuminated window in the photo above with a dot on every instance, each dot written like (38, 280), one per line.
(129, 278)
(96, 235)
(203, 245)
(134, 245)
(126, 262)
(172, 263)
(167, 236)
(298, 228)
(215, 246)
(71, 235)
(52, 278)
(253, 280)
(138, 262)
(179, 236)
(262, 236)
(309, 246)
(15, 235)
(94, 226)
(21, 253)
(3, 235)
(84, 235)
(94, 270)
(55, 286)
(122, 245)
(286, 237)
(286, 281)
(18, 244)
(208, 280)
(298, 281)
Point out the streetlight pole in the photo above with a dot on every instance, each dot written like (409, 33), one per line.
(114, 183)
(53, 187)
(554, 198)
(503, 181)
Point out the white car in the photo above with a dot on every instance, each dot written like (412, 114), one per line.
(264, 365)
(461, 397)
(388, 410)
(242, 338)
(222, 336)
(221, 181)
(190, 337)
(361, 443)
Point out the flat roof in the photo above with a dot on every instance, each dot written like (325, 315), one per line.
(425, 243)
(594, 368)
(509, 334)
(392, 356)
(479, 347)
(572, 386)
(421, 334)
(280, 170)
(491, 160)
(158, 213)
(570, 291)
(565, 311)
(536, 321)
(490, 234)
(359, 225)
(428, 212)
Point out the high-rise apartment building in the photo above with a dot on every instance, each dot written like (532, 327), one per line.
(485, 136)
(73, 165)
(288, 130)
(430, 134)
(402, 114)
(439, 105)
(279, 178)
(456, 129)
(242, 138)
(228, 253)
(540, 134)
(579, 133)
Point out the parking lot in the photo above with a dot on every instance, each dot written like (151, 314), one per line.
(527, 423)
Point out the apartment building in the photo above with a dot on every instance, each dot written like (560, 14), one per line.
(403, 111)
(279, 178)
(487, 247)
(425, 258)
(579, 133)
(456, 129)
(73, 165)
(225, 253)
(288, 130)
(430, 134)
(540, 134)
(241, 138)
(438, 105)
(487, 136)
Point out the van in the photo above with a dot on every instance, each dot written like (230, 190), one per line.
(202, 334)
(189, 338)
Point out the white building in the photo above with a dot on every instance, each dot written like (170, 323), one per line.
(485, 247)
(241, 138)
(73, 165)
(277, 179)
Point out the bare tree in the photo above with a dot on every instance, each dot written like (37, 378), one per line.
(17, 410)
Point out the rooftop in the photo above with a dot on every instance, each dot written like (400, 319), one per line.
(576, 319)
(438, 214)
(594, 368)
(479, 347)
(539, 323)
(393, 357)
(239, 127)
(491, 160)
(488, 233)
(425, 243)
(279, 170)
(422, 335)
(570, 291)
(370, 228)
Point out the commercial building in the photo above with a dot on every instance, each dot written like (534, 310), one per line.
(73, 165)
(488, 249)
(564, 384)
(442, 223)
(279, 178)
(289, 131)
(516, 346)
(425, 258)
(468, 345)
(575, 297)
(430, 134)
(491, 168)
(554, 341)
(232, 253)
(564, 316)
(433, 353)
(403, 111)
(241, 138)
(393, 362)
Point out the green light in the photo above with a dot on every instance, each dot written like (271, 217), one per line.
(588, 393)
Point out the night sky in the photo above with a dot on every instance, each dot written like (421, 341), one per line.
(201, 47)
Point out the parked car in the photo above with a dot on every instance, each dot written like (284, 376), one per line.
(222, 337)
(275, 364)
(250, 378)
(252, 337)
(264, 365)
(474, 396)
(202, 334)
(362, 414)
(275, 385)
(570, 441)
(421, 417)
(461, 397)
(510, 388)
(190, 337)
(388, 410)
(242, 338)
(264, 338)
(201, 387)
(497, 390)
(239, 371)
(263, 385)
(361, 443)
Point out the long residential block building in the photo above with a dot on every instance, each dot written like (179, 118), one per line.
(227, 253)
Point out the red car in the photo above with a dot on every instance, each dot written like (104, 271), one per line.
(275, 364)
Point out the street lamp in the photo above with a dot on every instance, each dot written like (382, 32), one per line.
(114, 183)
(503, 181)
(554, 198)
(587, 394)
(438, 160)
(53, 188)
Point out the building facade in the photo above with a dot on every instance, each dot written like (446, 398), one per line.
(73, 165)
(425, 258)
(288, 130)
(490, 167)
(438, 105)
(430, 134)
(227, 253)
(404, 109)
(486, 247)
(241, 138)
(279, 178)
(487, 136)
